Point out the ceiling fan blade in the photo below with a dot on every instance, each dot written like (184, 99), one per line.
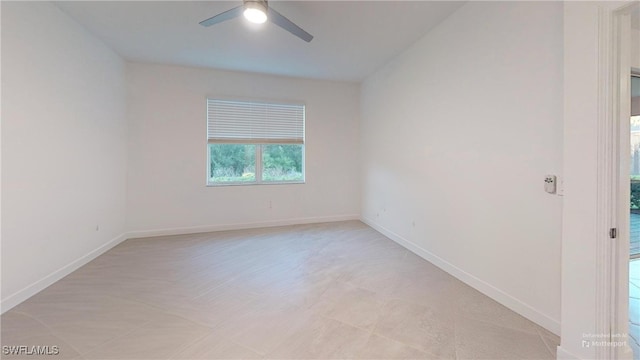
(278, 19)
(229, 14)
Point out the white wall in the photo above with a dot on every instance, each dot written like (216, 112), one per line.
(63, 147)
(167, 152)
(458, 134)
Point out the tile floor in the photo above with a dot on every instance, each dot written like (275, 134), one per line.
(634, 307)
(323, 291)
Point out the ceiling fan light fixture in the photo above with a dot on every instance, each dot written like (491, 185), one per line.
(255, 11)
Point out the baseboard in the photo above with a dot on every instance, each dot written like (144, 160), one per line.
(487, 289)
(22, 295)
(491, 291)
(239, 226)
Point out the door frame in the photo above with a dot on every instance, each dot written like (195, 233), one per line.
(594, 301)
(625, 162)
(619, 254)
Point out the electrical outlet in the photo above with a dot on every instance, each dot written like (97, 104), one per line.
(550, 184)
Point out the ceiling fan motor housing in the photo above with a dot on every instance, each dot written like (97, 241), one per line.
(256, 4)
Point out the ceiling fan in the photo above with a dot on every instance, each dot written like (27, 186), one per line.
(258, 11)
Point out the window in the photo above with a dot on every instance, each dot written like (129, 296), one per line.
(254, 142)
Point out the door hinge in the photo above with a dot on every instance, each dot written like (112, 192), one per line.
(613, 233)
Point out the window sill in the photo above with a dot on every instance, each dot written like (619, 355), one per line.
(256, 183)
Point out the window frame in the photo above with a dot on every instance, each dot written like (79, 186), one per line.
(258, 166)
(258, 148)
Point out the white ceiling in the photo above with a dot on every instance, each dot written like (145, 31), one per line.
(352, 38)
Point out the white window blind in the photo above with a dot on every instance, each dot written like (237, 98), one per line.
(230, 121)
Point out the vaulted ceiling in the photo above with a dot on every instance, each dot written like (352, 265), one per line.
(352, 38)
